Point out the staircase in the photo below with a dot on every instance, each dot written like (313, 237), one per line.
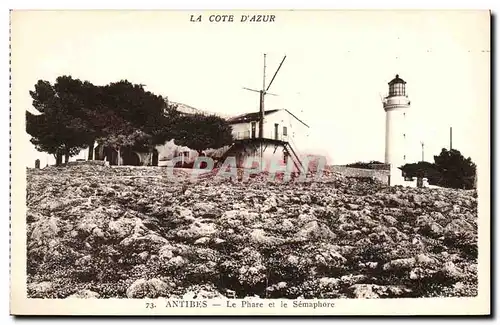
(295, 158)
(239, 147)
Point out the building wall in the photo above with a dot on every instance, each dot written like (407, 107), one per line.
(381, 175)
(170, 150)
(296, 132)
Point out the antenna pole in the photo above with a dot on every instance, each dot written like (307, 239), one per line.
(261, 104)
(451, 138)
(261, 120)
(264, 74)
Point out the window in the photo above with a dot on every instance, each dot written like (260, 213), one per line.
(397, 89)
(285, 131)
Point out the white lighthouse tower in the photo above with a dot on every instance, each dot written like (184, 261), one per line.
(396, 105)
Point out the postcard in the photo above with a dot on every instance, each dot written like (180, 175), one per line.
(286, 162)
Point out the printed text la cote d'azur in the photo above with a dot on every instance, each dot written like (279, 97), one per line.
(232, 18)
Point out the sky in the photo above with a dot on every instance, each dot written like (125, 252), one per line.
(337, 67)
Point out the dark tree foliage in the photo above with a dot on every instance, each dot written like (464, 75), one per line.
(456, 170)
(423, 169)
(364, 165)
(201, 132)
(60, 129)
(75, 114)
(450, 169)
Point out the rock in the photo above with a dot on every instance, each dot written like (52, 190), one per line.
(85, 294)
(350, 279)
(457, 227)
(399, 264)
(202, 241)
(40, 288)
(122, 227)
(328, 282)
(390, 220)
(143, 288)
(435, 229)
(353, 206)
(440, 205)
(231, 219)
(166, 252)
(287, 225)
(204, 207)
(197, 230)
(424, 260)
(176, 262)
(270, 204)
(141, 243)
(97, 232)
(259, 236)
(185, 213)
(44, 230)
(414, 274)
(293, 260)
(85, 260)
(219, 241)
(422, 220)
(362, 291)
(363, 242)
(370, 291)
(315, 230)
(451, 271)
(419, 273)
(282, 285)
(355, 234)
(418, 199)
(202, 292)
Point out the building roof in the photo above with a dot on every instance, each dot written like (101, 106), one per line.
(249, 117)
(254, 117)
(397, 80)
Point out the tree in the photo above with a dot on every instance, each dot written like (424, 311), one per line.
(57, 129)
(423, 169)
(456, 170)
(133, 117)
(200, 132)
(365, 165)
(450, 169)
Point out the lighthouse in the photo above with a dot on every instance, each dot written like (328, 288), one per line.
(396, 105)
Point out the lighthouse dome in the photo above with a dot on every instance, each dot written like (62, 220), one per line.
(397, 80)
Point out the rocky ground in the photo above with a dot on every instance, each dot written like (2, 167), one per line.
(95, 231)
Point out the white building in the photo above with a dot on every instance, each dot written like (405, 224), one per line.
(280, 126)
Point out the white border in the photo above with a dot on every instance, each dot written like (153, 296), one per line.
(214, 5)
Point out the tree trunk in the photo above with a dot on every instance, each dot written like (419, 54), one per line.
(59, 157)
(118, 158)
(91, 151)
(66, 157)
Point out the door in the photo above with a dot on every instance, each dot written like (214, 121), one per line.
(253, 129)
(276, 131)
